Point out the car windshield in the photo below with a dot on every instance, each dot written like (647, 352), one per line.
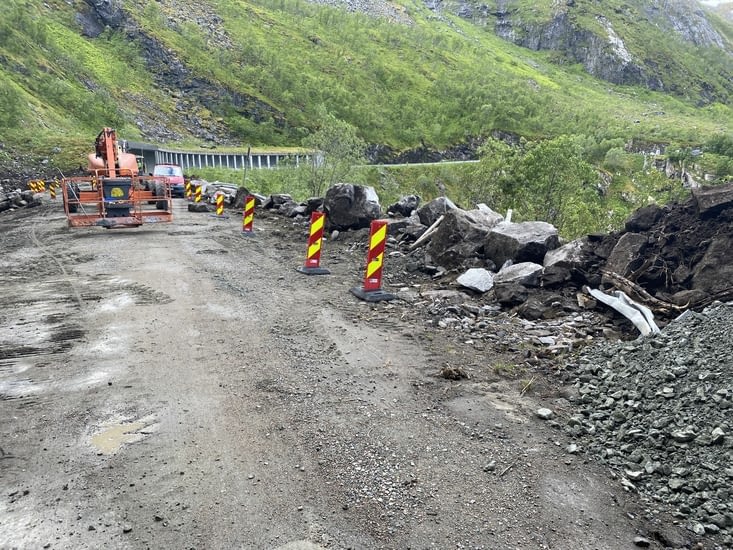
(167, 171)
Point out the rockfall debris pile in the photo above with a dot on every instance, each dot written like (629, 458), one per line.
(659, 412)
(11, 199)
(667, 258)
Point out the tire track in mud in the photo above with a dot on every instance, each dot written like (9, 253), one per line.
(43, 296)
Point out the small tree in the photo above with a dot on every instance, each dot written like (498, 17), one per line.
(337, 148)
(493, 176)
(556, 185)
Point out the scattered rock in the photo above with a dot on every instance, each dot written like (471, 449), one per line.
(524, 273)
(544, 413)
(654, 410)
(477, 279)
(405, 206)
(453, 373)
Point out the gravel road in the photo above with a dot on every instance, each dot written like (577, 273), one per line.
(183, 386)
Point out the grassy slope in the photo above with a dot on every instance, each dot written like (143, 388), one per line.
(437, 82)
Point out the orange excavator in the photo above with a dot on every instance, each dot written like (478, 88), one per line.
(114, 194)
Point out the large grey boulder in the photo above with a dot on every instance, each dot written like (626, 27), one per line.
(431, 211)
(644, 218)
(627, 254)
(560, 263)
(484, 215)
(568, 255)
(520, 242)
(349, 206)
(524, 273)
(459, 236)
(714, 272)
(713, 199)
(478, 279)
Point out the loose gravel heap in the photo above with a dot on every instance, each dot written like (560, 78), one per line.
(659, 412)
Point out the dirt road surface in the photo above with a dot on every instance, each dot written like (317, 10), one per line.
(183, 386)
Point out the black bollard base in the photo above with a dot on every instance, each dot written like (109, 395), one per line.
(372, 295)
(313, 270)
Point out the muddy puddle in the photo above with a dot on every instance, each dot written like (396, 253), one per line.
(114, 436)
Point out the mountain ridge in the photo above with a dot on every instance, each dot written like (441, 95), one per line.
(406, 75)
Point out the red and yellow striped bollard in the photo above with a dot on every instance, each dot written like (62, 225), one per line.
(315, 239)
(249, 215)
(372, 289)
(220, 205)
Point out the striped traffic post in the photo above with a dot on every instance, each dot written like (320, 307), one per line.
(189, 192)
(219, 201)
(315, 239)
(199, 193)
(52, 190)
(249, 216)
(372, 289)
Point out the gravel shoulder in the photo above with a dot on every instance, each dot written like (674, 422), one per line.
(183, 386)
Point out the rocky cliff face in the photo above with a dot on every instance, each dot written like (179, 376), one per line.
(598, 35)
(602, 56)
(191, 92)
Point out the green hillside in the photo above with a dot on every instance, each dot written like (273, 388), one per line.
(233, 72)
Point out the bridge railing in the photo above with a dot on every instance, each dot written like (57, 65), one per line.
(235, 161)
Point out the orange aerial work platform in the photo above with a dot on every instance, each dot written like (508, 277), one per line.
(112, 202)
(114, 195)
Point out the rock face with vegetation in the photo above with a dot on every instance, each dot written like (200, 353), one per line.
(416, 83)
(633, 42)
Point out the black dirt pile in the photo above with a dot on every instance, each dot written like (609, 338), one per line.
(679, 254)
(659, 412)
